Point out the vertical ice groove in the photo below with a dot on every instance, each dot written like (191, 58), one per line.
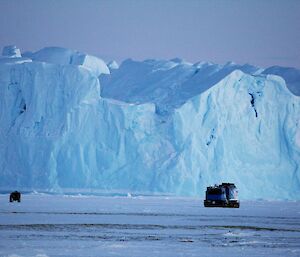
(252, 101)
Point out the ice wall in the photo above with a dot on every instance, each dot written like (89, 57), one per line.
(41, 104)
(57, 131)
(244, 129)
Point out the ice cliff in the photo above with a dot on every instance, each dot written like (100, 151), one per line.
(68, 120)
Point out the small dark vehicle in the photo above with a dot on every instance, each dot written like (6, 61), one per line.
(224, 195)
(15, 196)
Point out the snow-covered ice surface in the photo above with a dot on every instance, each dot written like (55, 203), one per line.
(52, 225)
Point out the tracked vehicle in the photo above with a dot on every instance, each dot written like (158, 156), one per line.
(224, 195)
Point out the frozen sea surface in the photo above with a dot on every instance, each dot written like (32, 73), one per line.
(50, 225)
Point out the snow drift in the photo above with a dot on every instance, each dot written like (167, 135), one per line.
(152, 126)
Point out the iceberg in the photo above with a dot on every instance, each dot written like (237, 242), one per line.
(158, 126)
(244, 129)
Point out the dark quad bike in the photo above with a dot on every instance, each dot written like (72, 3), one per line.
(15, 196)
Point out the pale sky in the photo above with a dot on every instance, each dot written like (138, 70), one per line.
(259, 32)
